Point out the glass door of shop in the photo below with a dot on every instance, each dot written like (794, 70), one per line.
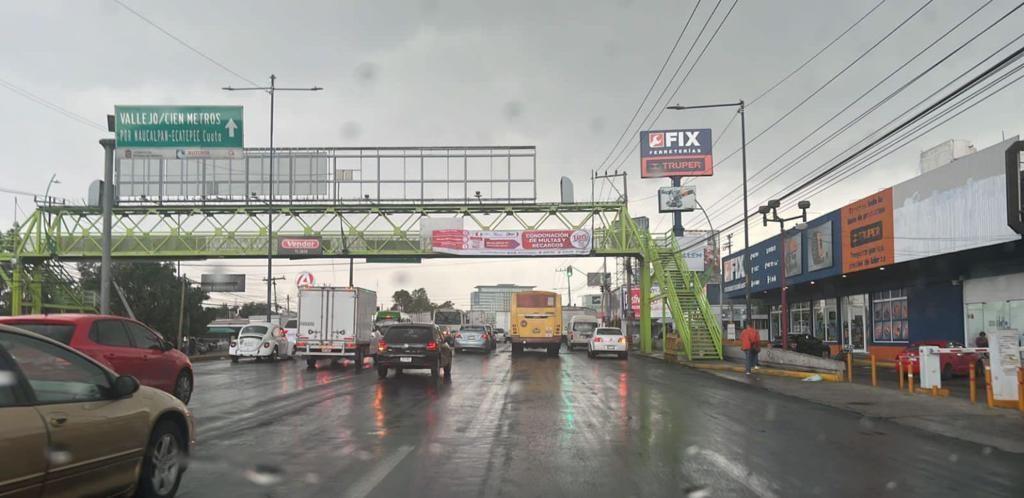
(855, 313)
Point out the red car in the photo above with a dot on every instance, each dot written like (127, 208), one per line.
(950, 363)
(126, 346)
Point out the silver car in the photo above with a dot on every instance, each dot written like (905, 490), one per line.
(473, 337)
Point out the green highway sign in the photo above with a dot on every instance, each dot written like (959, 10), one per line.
(180, 132)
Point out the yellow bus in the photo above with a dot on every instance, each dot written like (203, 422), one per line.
(536, 321)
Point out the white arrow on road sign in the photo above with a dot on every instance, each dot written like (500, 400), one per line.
(231, 126)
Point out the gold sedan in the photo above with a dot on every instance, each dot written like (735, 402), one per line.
(71, 427)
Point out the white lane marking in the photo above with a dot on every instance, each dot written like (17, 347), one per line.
(755, 483)
(371, 479)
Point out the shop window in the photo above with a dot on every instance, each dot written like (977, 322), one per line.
(890, 316)
(800, 318)
(826, 320)
(775, 324)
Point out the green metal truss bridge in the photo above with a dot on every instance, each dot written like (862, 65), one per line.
(30, 260)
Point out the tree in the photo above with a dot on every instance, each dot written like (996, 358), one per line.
(416, 301)
(252, 308)
(153, 292)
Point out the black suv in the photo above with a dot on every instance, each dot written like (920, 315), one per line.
(806, 344)
(412, 346)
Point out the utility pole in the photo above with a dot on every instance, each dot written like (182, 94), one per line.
(272, 91)
(108, 208)
(623, 195)
(272, 283)
(728, 247)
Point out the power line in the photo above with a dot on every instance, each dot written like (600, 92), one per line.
(856, 120)
(787, 77)
(960, 90)
(904, 113)
(185, 44)
(815, 56)
(679, 67)
(50, 105)
(653, 84)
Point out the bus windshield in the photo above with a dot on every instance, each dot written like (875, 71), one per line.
(528, 300)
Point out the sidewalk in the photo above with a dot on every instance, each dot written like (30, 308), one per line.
(951, 417)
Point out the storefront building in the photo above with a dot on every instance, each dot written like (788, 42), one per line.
(932, 258)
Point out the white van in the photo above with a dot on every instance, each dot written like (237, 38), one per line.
(581, 328)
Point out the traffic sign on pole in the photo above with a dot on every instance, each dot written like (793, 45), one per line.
(180, 132)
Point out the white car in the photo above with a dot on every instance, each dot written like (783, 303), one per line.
(500, 336)
(260, 341)
(607, 340)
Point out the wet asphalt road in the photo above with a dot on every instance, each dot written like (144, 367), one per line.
(545, 427)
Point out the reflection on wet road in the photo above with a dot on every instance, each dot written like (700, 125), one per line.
(567, 426)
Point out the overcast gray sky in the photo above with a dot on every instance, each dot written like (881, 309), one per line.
(564, 76)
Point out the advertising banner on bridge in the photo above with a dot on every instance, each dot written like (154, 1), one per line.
(666, 153)
(512, 242)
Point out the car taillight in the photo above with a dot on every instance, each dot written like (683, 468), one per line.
(382, 346)
(431, 346)
(266, 344)
(597, 339)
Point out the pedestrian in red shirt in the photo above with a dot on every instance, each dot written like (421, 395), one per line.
(750, 343)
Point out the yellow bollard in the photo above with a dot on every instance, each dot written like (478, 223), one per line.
(988, 385)
(974, 385)
(910, 380)
(874, 370)
(899, 366)
(849, 367)
(935, 391)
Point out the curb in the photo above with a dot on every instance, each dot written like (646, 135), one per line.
(793, 374)
(776, 372)
(867, 363)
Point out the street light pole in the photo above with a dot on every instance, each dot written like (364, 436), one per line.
(746, 227)
(773, 207)
(272, 91)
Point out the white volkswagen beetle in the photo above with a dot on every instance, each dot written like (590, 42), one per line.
(261, 341)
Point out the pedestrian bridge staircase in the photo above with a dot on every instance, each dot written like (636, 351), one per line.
(683, 295)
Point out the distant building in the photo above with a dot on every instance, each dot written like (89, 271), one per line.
(495, 298)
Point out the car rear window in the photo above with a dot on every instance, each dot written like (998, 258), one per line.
(584, 326)
(60, 332)
(473, 328)
(408, 334)
(256, 330)
(608, 332)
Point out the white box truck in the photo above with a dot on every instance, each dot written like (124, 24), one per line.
(335, 323)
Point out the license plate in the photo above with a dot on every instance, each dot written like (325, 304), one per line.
(326, 348)
(405, 359)
(609, 347)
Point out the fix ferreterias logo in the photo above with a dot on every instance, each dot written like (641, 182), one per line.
(656, 140)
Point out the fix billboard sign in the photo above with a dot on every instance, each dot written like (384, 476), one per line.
(668, 153)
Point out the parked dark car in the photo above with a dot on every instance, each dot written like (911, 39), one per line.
(414, 346)
(806, 344)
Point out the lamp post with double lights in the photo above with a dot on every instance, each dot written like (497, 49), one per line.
(743, 147)
(271, 90)
(772, 208)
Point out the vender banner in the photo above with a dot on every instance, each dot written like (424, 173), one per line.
(666, 153)
(868, 232)
(512, 242)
